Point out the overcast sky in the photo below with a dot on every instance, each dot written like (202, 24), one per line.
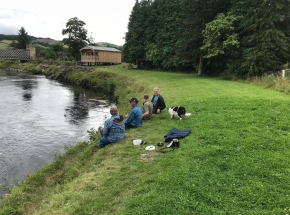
(106, 20)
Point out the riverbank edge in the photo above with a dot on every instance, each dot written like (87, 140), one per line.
(87, 77)
(68, 73)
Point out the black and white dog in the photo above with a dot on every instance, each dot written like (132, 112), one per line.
(178, 111)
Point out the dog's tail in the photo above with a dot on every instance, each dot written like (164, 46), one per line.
(187, 114)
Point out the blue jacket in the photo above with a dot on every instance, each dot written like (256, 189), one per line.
(176, 133)
(135, 117)
(114, 130)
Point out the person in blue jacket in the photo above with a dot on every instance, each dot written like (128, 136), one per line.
(114, 129)
(134, 119)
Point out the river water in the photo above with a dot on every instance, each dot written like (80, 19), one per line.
(38, 119)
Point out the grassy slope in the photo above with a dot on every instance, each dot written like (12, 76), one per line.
(235, 161)
(4, 44)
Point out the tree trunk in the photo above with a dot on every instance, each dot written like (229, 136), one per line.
(200, 67)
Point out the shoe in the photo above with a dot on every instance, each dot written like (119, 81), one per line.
(169, 144)
(173, 143)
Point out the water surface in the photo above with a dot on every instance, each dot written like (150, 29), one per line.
(38, 117)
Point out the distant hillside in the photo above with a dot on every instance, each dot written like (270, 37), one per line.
(5, 44)
(47, 40)
(5, 40)
(13, 37)
(106, 44)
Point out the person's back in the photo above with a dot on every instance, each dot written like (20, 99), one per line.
(117, 129)
(147, 107)
(114, 129)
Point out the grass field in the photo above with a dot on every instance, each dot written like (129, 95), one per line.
(235, 160)
(4, 44)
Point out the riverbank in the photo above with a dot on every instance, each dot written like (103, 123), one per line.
(235, 160)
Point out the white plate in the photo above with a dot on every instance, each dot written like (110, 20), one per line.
(151, 147)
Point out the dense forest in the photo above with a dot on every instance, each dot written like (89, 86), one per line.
(235, 38)
(14, 37)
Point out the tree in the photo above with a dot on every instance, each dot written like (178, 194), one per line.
(220, 42)
(166, 22)
(135, 38)
(40, 52)
(265, 36)
(23, 38)
(91, 39)
(196, 14)
(14, 44)
(55, 51)
(168, 34)
(219, 36)
(153, 33)
(77, 36)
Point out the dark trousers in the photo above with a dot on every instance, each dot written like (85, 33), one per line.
(128, 126)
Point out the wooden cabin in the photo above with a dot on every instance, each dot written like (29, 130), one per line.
(98, 54)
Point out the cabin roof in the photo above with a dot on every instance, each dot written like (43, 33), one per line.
(100, 48)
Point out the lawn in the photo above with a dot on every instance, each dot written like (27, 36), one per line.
(235, 160)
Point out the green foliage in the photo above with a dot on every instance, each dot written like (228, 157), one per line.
(14, 37)
(134, 48)
(50, 54)
(40, 52)
(77, 36)
(23, 38)
(55, 51)
(219, 36)
(153, 53)
(247, 38)
(92, 135)
(6, 63)
(14, 44)
(5, 187)
(8, 37)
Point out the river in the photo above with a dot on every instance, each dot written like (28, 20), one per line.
(38, 119)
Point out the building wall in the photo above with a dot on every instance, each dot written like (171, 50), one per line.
(102, 57)
(109, 57)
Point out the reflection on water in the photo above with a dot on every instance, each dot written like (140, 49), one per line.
(39, 116)
(27, 96)
(27, 85)
(78, 110)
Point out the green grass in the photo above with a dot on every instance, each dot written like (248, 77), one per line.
(235, 161)
(4, 44)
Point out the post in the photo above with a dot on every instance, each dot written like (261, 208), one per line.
(283, 73)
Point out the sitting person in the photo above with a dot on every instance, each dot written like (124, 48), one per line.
(147, 107)
(158, 101)
(114, 129)
(134, 119)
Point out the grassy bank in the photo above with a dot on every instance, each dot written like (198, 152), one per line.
(235, 160)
